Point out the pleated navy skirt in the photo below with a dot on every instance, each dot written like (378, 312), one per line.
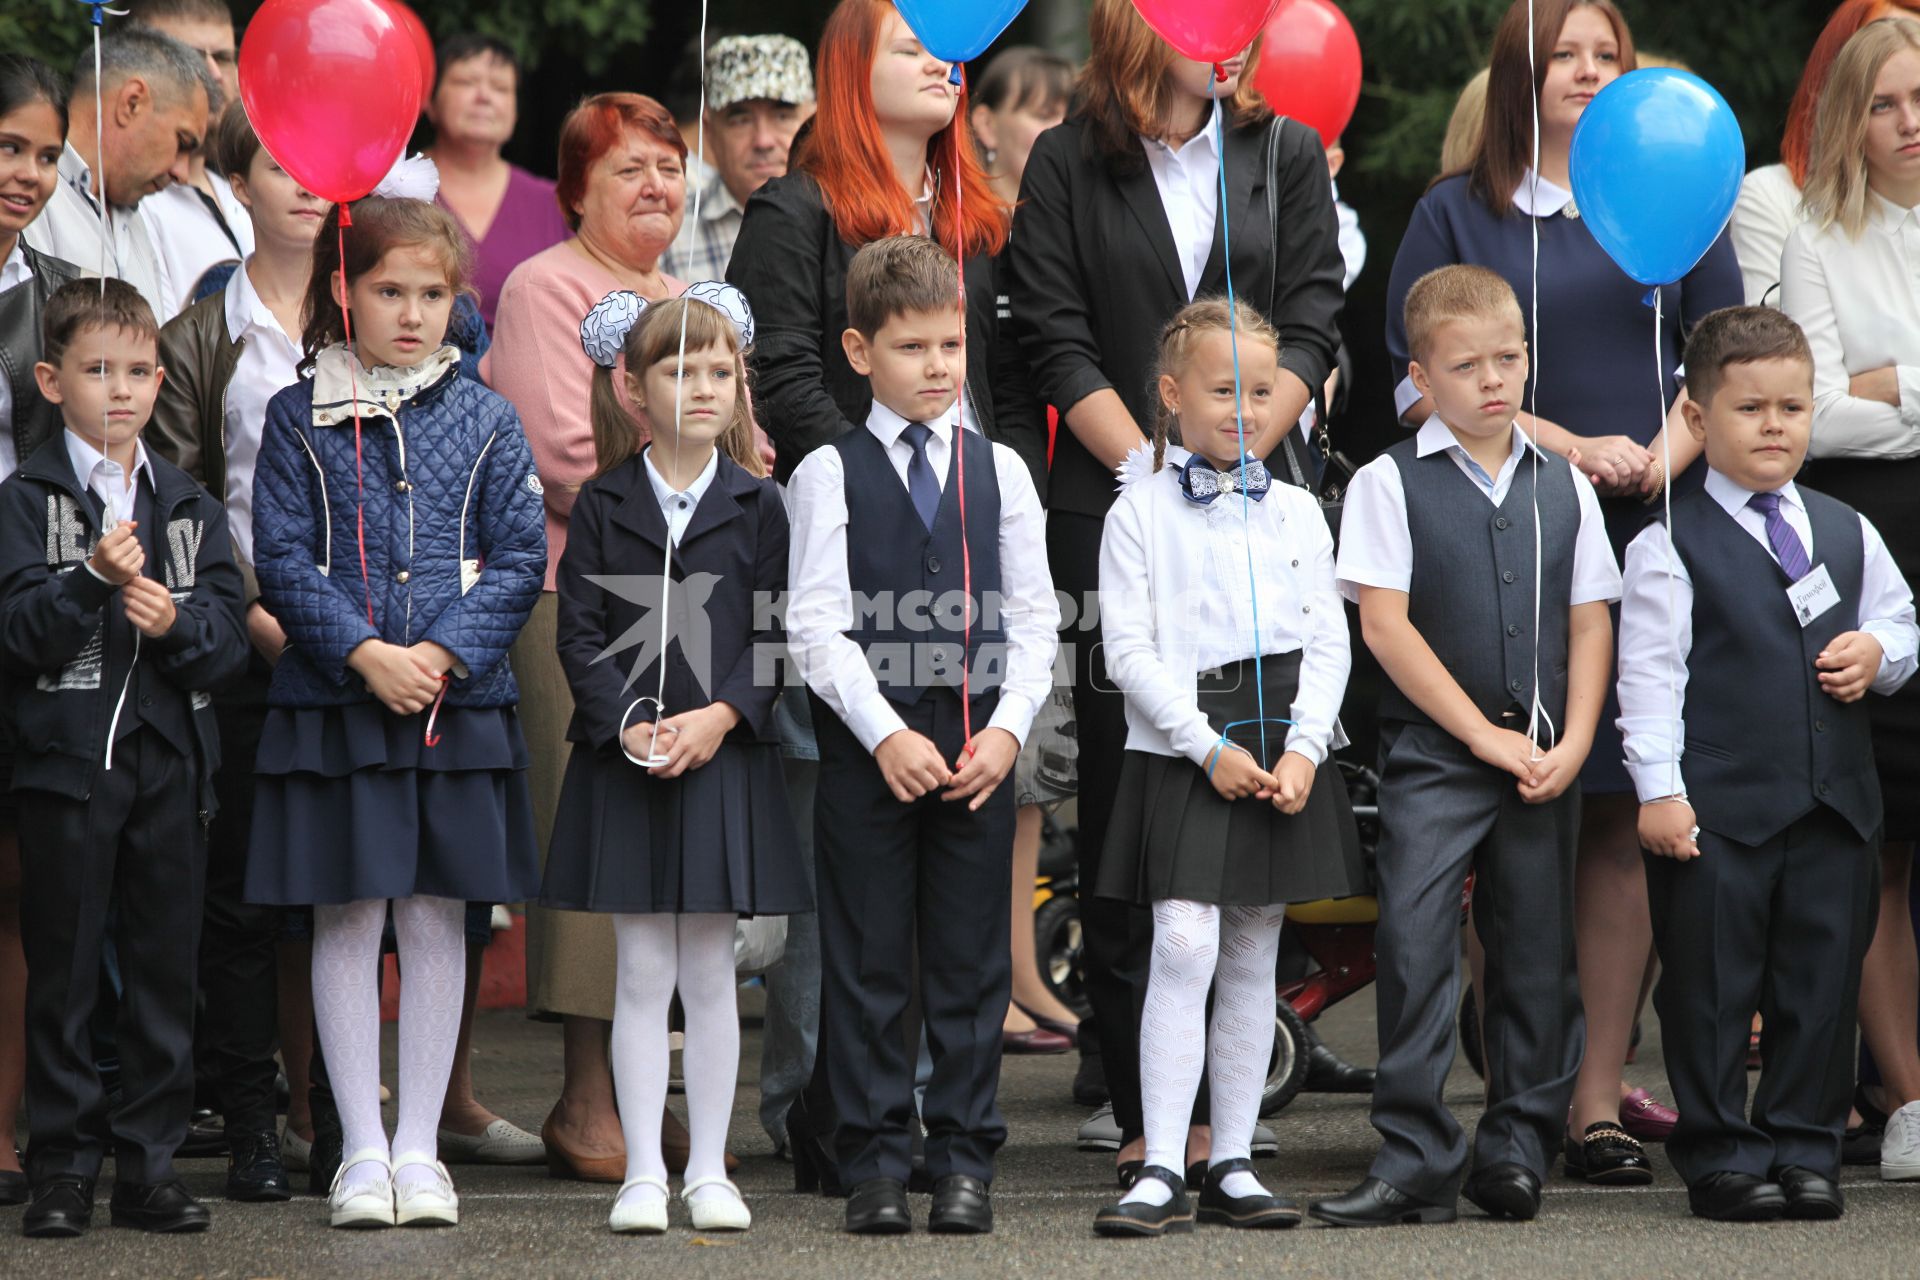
(717, 839)
(350, 803)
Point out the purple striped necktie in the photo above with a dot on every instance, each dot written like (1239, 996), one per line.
(1780, 535)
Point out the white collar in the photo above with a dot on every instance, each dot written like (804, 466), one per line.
(1205, 138)
(86, 459)
(1436, 436)
(338, 375)
(665, 493)
(887, 425)
(1552, 197)
(1733, 498)
(245, 311)
(1890, 216)
(15, 270)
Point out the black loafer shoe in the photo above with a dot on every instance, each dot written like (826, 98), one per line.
(1810, 1197)
(1266, 1211)
(878, 1207)
(1328, 1072)
(62, 1208)
(1505, 1190)
(961, 1207)
(254, 1171)
(1736, 1197)
(1379, 1204)
(14, 1188)
(1126, 1221)
(157, 1206)
(206, 1136)
(1608, 1156)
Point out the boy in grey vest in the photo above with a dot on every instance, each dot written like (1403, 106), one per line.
(1745, 652)
(1483, 574)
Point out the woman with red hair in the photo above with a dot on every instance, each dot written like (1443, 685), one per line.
(1770, 207)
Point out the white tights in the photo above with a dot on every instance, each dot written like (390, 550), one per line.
(656, 954)
(1232, 950)
(346, 1005)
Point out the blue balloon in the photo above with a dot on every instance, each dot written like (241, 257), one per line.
(958, 31)
(1657, 162)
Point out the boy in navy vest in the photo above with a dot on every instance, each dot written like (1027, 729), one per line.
(119, 610)
(1744, 657)
(915, 624)
(1483, 574)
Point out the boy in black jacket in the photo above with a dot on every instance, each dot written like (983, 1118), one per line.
(119, 608)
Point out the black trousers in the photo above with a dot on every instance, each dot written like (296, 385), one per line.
(894, 879)
(1116, 936)
(237, 1031)
(1780, 930)
(139, 845)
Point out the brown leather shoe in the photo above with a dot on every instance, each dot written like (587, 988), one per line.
(564, 1162)
(676, 1145)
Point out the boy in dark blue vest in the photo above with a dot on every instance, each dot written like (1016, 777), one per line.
(1745, 653)
(920, 714)
(1483, 574)
(119, 611)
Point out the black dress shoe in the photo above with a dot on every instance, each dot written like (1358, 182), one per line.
(206, 1136)
(13, 1188)
(1810, 1197)
(1608, 1156)
(62, 1208)
(1260, 1210)
(961, 1207)
(1505, 1190)
(157, 1206)
(1138, 1219)
(878, 1207)
(1379, 1204)
(254, 1171)
(1736, 1197)
(1328, 1072)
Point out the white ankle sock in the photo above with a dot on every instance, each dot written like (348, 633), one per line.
(1241, 1183)
(1148, 1191)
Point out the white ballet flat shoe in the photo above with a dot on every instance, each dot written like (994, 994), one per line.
(712, 1213)
(639, 1216)
(362, 1204)
(431, 1204)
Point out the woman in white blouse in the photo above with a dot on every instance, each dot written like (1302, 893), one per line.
(1851, 276)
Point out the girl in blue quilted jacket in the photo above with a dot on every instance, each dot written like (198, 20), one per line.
(398, 538)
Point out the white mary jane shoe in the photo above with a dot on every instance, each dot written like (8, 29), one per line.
(362, 1204)
(639, 1216)
(711, 1213)
(424, 1205)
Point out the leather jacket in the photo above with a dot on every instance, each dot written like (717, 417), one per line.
(21, 308)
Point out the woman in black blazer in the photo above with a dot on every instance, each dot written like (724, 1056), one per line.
(1098, 269)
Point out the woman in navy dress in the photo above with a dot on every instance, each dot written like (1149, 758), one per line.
(1594, 394)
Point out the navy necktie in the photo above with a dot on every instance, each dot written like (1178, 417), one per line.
(921, 483)
(1785, 542)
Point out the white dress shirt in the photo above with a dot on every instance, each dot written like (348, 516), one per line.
(268, 363)
(820, 612)
(677, 505)
(1656, 631)
(1188, 178)
(1859, 302)
(1353, 241)
(1768, 210)
(108, 480)
(69, 227)
(188, 238)
(1376, 547)
(1175, 601)
(13, 274)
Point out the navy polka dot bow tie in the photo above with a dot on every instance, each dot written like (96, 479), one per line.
(1201, 482)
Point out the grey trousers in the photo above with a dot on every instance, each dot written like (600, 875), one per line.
(1444, 814)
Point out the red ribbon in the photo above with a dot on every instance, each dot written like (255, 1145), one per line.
(960, 438)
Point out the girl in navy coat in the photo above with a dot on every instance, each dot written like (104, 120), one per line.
(398, 539)
(674, 815)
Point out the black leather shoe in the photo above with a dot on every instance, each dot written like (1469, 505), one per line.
(961, 1207)
(13, 1188)
(1810, 1197)
(254, 1171)
(1505, 1190)
(1151, 1220)
(1328, 1072)
(62, 1208)
(206, 1136)
(1736, 1197)
(878, 1207)
(157, 1206)
(1260, 1211)
(1379, 1204)
(1608, 1156)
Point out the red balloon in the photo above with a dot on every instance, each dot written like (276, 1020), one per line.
(332, 88)
(422, 42)
(1207, 30)
(1310, 66)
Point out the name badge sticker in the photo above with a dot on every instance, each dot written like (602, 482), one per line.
(1813, 595)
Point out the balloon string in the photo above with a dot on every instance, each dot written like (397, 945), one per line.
(1666, 494)
(1536, 712)
(353, 384)
(960, 429)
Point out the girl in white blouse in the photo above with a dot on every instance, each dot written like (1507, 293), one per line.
(1851, 277)
(1225, 633)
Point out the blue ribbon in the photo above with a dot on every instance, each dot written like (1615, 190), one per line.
(1228, 744)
